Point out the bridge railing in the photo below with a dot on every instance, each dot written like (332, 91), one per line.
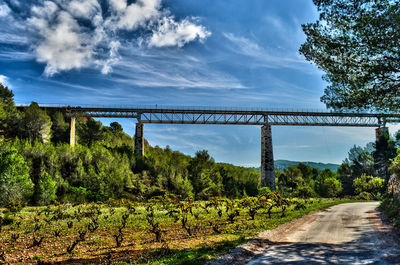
(204, 108)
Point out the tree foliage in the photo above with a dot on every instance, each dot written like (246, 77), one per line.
(15, 183)
(10, 118)
(46, 190)
(385, 151)
(37, 124)
(359, 161)
(369, 184)
(356, 43)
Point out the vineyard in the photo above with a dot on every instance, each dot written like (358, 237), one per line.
(165, 230)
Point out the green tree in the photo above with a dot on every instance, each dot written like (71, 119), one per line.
(293, 177)
(116, 127)
(327, 185)
(356, 43)
(60, 128)
(385, 150)
(331, 187)
(37, 123)
(360, 161)
(10, 118)
(201, 163)
(46, 190)
(90, 132)
(182, 186)
(307, 172)
(15, 183)
(345, 174)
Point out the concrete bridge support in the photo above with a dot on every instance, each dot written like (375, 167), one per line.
(267, 158)
(72, 132)
(139, 139)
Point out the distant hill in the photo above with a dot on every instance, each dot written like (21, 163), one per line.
(283, 164)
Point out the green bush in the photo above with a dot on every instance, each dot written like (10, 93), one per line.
(304, 192)
(364, 196)
(15, 206)
(263, 190)
(6, 219)
(368, 184)
(391, 207)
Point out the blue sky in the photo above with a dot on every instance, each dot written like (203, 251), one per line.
(175, 52)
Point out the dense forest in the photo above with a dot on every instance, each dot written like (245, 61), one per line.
(37, 165)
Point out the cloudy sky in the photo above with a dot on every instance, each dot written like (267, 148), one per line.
(175, 52)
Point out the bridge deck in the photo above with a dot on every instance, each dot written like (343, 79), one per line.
(232, 116)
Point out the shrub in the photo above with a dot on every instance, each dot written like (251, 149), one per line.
(369, 184)
(364, 196)
(263, 190)
(304, 192)
(6, 219)
(15, 206)
(391, 207)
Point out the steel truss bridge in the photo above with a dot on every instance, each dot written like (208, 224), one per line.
(229, 116)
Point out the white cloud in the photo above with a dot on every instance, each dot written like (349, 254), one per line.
(172, 33)
(84, 9)
(113, 57)
(118, 5)
(3, 79)
(130, 17)
(68, 35)
(269, 57)
(4, 10)
(64, 46)
(245, 45)
(155, 69)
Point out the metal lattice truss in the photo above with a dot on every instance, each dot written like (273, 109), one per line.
(239, 117)
(309, 119)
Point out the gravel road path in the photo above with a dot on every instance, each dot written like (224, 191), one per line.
(350, 233)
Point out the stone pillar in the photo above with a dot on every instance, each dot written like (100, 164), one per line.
(267, 158)
(139, 139)
(72, 132)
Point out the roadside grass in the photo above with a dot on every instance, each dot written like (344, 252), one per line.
(207, 234)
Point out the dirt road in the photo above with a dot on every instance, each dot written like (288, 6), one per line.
(350, 233)
(343, 234)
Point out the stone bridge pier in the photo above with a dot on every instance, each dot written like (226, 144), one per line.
(267, 158)
(139, 139)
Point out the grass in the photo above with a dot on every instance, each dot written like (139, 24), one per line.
(139, 245)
